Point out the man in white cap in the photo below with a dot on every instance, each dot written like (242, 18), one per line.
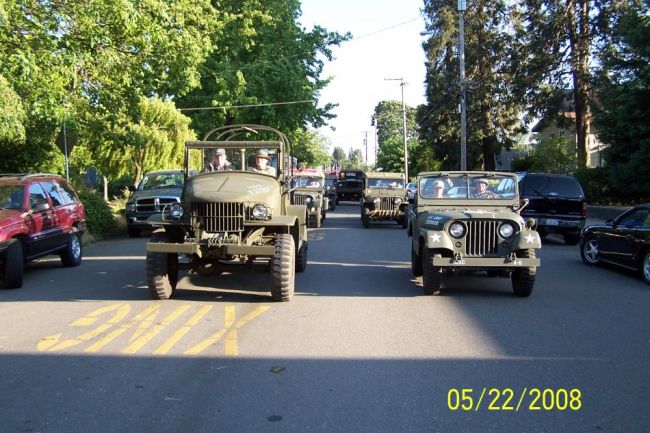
(219, 162)
(261, 163)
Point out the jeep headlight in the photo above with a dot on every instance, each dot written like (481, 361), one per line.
(176, 211)
(130, 207)
(309, 199)
(260, 212)
(376, 201)
(457, 230)
(506, 230)
(398, 201)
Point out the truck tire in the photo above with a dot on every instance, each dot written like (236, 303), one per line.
(162, 270)
(301, 258)
(283, 269)
(12, 274)
(523, 279)
(431, 275)
(365, 218)
(416, 264)
(71, 255)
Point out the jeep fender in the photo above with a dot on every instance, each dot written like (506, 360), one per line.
(438, 239)
(526, 239)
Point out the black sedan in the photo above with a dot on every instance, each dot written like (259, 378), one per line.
(623, 241)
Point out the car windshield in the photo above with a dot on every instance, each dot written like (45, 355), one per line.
(386, 183)
(161, 180)
(206, 160)
(11, 196)
(468, 186)
(307, 182)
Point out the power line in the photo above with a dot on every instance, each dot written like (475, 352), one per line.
(246, 106)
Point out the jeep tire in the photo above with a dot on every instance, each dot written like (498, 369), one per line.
(162, 269)
(71, 255)
(12, 274)
(283, 268)
(365, 217)
(301, 258)
(431, 275)
(523, 279)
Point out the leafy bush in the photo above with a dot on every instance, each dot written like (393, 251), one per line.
(99, 216)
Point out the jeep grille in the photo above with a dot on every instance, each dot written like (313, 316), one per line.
(387, 203)
(299, 199)
(481, 239)
(219, 217)
(153, 204)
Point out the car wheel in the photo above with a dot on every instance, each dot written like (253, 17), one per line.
(523, 279)
(133, 232)
(162, 269)
(71, 256)
(416, 264)
(571, 238)
(12, 274)
(431, 275)
(589, 252)
(365, 218)
(283, 270)
(301, 258)
(645, 268)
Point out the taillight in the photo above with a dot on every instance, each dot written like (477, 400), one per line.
(583, 213)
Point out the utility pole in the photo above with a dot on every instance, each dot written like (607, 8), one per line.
(365, 143)
(462, 6)
(406, 153)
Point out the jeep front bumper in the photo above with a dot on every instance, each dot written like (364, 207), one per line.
(202, 249)
(485, 262)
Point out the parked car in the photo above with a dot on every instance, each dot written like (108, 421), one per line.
(156, 190)
(40, 214)
(623, 241)
(556, 201)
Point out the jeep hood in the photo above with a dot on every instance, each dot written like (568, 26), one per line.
(239, 187)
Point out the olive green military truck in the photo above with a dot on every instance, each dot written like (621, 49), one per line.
(384, 198)
(236, 214)
(308, 189)
(470, 221)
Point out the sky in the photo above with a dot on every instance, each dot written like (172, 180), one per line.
(386, 44)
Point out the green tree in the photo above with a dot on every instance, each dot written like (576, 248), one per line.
(355, 159)
(492, 103)
(309, 147)
(338, 154)
(555, 154)
(621, 113)
(557, 39)
(390, 136)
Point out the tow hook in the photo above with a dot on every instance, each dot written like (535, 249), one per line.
(458, 257)
(512, 257)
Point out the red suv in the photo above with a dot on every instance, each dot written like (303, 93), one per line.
(40, 214)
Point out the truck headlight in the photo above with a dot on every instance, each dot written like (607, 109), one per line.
(398, 201)
(260, 212)
(130, 207)
(506, 230)
(457, 230)
(176, 211)
(376, 201)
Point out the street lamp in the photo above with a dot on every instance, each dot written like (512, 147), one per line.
(406, 152)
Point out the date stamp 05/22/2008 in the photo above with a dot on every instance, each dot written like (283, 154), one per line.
(508, 399)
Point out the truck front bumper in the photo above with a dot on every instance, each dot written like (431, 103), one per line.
(201, 249)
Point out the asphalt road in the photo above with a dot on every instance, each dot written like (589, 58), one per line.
(358, 349)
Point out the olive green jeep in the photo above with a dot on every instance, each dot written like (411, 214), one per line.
(469, 221)
(308, 189)
(384, 198)
(234, 215)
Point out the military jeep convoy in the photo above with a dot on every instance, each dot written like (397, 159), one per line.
(249, 209)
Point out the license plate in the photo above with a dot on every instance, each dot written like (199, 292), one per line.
(552, 222)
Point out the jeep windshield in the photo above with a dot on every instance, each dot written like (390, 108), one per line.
(207, 160)
(161, 180)
(11, 196)
(307, 182)
(467, 186)
(386, 183)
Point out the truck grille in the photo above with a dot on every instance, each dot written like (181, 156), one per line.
(154, 204)
(219, 217)
(299, 199)
(387, 203)
(481, 239)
